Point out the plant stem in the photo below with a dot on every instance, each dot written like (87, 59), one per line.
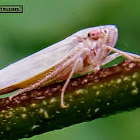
(88, 97)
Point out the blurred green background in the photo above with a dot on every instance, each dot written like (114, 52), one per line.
(45, 22)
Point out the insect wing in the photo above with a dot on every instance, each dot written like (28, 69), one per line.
(36, 63)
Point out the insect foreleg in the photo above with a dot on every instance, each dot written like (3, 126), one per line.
(78, 64)
(122, 53)
(134, 55)
(110, 58)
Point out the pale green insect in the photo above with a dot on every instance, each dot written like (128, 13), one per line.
(82, 52)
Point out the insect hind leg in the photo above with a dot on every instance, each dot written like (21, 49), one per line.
(78, 64)
(21, 91)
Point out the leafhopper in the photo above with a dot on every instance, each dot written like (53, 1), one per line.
(82, 52)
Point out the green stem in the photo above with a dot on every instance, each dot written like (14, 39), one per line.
(88, 97)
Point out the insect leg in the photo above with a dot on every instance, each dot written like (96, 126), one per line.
(110, 58)
(21, 91)
(29, 88)
(123, 53)
(133, 55)
(79, 62)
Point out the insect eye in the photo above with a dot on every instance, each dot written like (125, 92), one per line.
(91, 34)
(105, 31)
(88, 34)
(94, 34)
